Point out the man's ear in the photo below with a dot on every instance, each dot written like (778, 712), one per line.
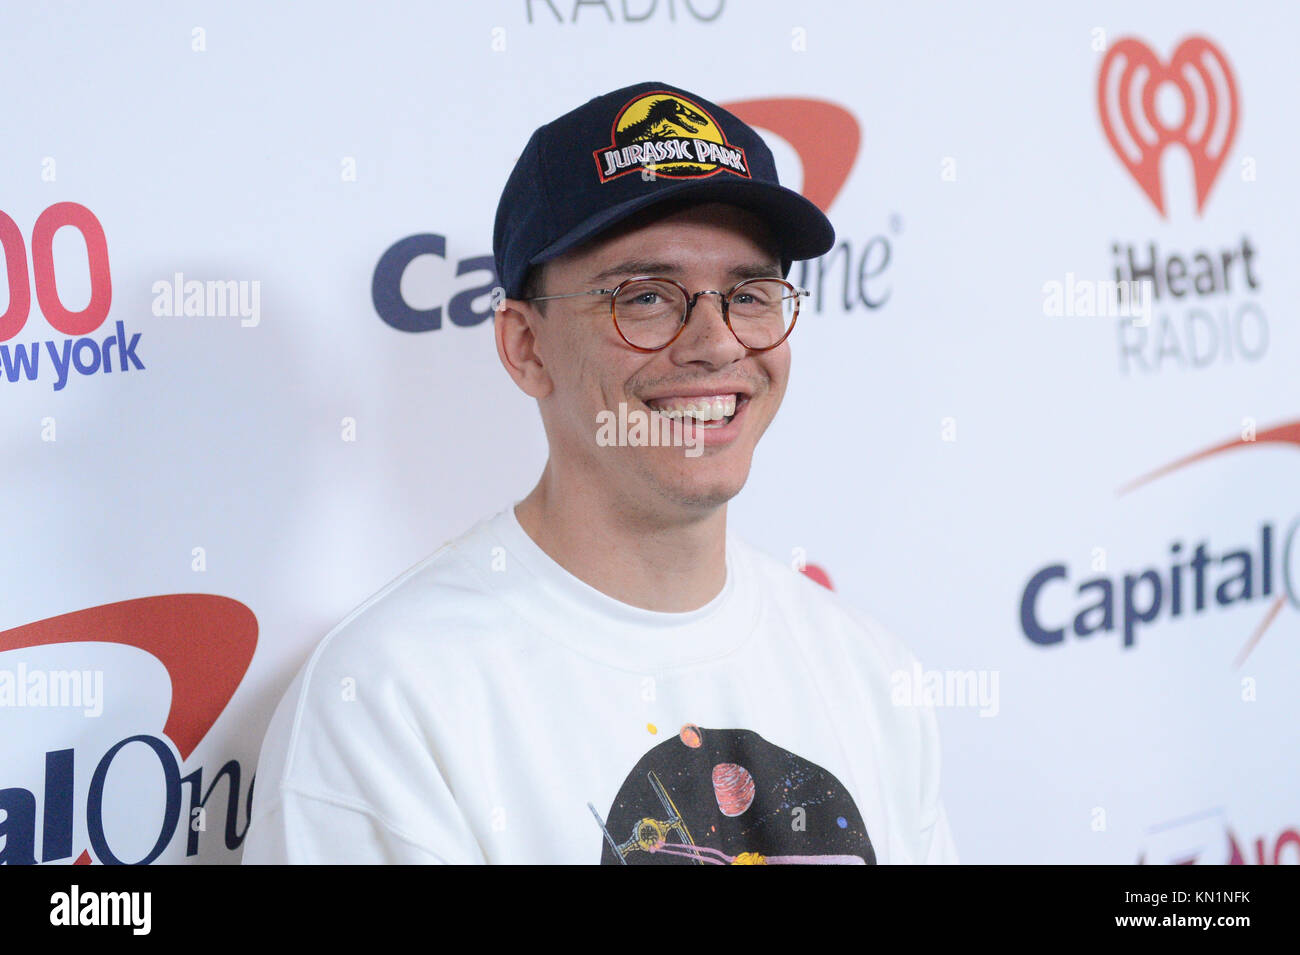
(516, 336)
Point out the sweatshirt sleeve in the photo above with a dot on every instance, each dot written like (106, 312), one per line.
(936, 842)
(302, 829)
(347, 773)
(929, 839)
(941, 850)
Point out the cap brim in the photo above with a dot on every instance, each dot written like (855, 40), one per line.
(800, 229)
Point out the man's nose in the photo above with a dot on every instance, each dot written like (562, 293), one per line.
(705, 325)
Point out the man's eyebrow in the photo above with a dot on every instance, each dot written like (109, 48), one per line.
(766, 270)
(753, 270)
(637, 267)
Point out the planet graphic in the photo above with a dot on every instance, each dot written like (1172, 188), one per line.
(734, 788)
(727, 796)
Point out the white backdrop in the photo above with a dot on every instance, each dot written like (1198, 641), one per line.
(936, 451)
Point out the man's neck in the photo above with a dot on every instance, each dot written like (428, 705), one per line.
(669, 567)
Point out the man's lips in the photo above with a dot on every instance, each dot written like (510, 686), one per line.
(706, 428)
(712, 411)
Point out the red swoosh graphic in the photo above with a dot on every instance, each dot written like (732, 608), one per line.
(1288, 433)
(825, 136)
(204, 641)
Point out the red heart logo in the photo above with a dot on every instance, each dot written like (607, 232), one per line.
(1130, 77)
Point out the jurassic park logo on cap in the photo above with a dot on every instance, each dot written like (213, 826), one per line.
(670, 136)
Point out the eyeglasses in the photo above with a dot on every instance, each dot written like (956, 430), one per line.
(649, 313)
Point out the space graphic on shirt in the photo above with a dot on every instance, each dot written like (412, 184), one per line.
(729, 797)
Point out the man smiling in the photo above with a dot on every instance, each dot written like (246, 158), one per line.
(602, 673)
(646, 525)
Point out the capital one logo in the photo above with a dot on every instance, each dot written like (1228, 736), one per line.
(205, 643)
(1196, 581)
(1147, 105)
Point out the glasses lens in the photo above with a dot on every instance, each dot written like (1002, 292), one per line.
(649, 312)
(762, 311)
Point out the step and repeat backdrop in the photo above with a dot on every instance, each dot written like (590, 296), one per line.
(1043, 423)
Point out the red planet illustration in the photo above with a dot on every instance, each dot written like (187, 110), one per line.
(733, 787)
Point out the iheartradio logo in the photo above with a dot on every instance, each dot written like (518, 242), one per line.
(1197, 80)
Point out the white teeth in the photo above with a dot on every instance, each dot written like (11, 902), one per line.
(703, 409)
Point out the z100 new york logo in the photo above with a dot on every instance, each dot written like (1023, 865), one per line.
(80, 351)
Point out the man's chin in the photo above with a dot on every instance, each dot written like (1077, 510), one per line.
(695, 484)
(702, 495)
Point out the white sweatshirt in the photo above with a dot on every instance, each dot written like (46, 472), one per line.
(488, 706)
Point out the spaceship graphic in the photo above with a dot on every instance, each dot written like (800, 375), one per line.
(649, 834)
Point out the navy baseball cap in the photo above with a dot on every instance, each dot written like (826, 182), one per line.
(629, 150)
